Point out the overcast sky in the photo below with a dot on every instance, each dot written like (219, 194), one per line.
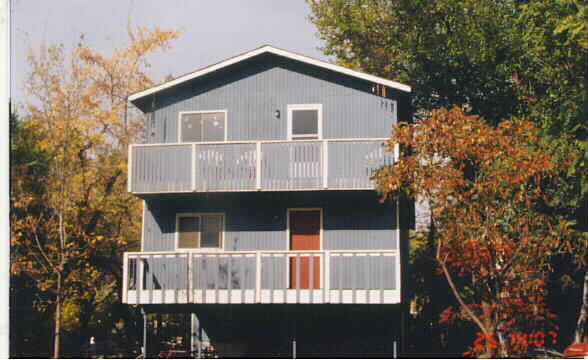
(211, 30)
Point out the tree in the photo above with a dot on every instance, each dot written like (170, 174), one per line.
(497, 59)
(69, 235)
(487, 187)
(30, 165)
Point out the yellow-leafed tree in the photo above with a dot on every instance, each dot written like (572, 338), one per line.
(70, 225)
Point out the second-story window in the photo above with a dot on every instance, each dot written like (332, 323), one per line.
(199, 231)
(305, 121)
(200, 126)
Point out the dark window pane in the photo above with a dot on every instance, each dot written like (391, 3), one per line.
(203, 127)
(213, 127)
(211, 231)
(191, 127)
(304, 122)
(189, 229)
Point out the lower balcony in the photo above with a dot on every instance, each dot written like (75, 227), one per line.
(262, 277)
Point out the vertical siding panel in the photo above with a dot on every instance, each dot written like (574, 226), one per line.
(350, 223)
(252, 93)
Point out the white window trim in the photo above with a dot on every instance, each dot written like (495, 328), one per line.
(199, 249)
(224, 111)
(318, 107)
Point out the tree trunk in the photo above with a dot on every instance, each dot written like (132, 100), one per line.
(581, 324)
(57, 342)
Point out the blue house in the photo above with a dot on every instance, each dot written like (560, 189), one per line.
(260, 218)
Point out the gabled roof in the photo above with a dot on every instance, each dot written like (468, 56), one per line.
(275, 51)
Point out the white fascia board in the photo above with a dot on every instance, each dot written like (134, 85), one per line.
(275, 51)
(340, 69)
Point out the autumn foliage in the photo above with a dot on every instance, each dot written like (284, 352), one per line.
(72, 217)
(488, 189)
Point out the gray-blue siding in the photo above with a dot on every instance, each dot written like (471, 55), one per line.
(252, 92)
(258, 221)
(353, 272)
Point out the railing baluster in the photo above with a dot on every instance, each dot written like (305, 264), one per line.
(325, 164)
(311, 282)
(326, 276)
(368, 278)
(139, 269)
(176, 282)
(189, 277)
(298, 278)
(242, 276)
(229, 277)
(193, 166)
(150, 279)
(382, 278)
(258, 165)
(341, 267)
(258, 277)
(272, 283)
(164, 275)
(216, 277)
(125, 279)
(130, 169)
(353, 276)
(204, 276)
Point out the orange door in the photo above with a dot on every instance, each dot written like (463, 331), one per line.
(305, 234)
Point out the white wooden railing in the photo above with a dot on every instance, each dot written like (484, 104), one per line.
(343, 164)
(262, 277)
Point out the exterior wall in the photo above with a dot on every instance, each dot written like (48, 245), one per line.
(258, 221)
(351, 221)
(252, 91)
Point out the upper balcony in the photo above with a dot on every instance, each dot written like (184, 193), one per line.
(330, 164)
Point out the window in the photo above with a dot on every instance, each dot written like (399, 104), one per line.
(199, 231)
(203, 126)
(304, 122)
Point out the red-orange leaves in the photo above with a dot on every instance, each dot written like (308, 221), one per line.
(486, 186)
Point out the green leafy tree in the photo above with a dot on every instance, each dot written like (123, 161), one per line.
(498, 59)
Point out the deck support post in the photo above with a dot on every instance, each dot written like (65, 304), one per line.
(258, 277)
(195, 346)
(144, 347)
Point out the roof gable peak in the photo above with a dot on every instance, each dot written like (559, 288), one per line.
(276, 51)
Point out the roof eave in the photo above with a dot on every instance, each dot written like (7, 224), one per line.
(268, 49)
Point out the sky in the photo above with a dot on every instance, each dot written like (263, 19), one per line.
(210, 30)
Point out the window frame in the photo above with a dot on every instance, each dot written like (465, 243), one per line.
(200, 249)
(191, 112)
(292, 107)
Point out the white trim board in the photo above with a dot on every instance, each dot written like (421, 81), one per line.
(272, 50)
